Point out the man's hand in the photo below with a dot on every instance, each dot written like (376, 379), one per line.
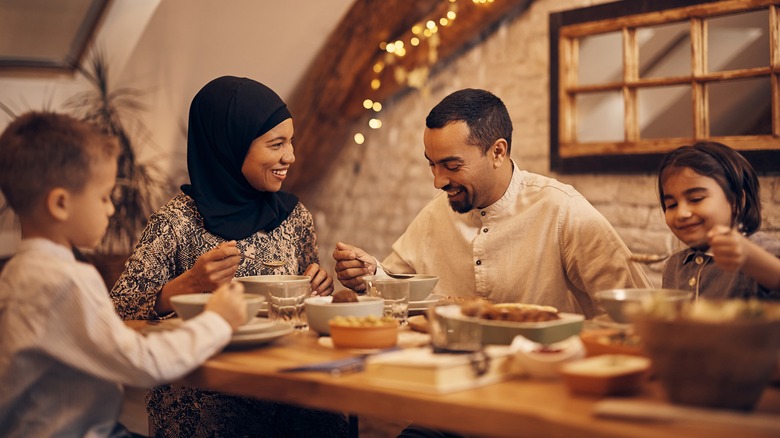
(352, 263)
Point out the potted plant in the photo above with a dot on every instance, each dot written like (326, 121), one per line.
(139, 186)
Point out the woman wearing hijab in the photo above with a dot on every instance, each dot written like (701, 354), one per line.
(239, 148)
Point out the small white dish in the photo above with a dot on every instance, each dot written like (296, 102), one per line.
(256, 325)
(543, 361)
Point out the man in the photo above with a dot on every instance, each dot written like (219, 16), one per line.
(496, 231)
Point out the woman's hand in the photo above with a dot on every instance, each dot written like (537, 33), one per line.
(212, 270)
(216, 267)
(321, 283)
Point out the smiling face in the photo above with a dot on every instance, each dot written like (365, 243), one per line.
(693, 204)
(269, 158)
(471, 179)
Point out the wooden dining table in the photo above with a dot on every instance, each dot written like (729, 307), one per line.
(519, 406)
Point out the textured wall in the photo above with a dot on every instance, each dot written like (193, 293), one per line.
(375, 189)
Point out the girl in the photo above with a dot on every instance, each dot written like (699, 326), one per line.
(710, 194)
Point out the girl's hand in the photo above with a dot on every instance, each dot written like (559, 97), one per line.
(216, 267)
(728, 247)
(321, 283)
(228, 302)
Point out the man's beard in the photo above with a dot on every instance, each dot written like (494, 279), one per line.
(462, 206)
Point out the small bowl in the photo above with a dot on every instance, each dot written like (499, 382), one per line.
(543, 361)
(622, 304)
(320, 310)
(190, 305)
(258, 284)
(609, 374)
(420, 285)
(384, 335)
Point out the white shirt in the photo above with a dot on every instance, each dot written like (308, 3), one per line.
(541, 243)
(65, 353)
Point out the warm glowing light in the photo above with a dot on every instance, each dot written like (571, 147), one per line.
(399, 44)
(443, 21)
(451, 15)
(430, 24)
(400, 52)
(379, 66)
(382, 45)
(427, 33)
(359, 139)
(415, 41)
(377, 106)
(368, 103)
(374, 123)
(390, 47)
(416, 29)
(435, 29)
(375, 84)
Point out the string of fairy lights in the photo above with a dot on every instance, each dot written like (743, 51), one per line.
(423, 32)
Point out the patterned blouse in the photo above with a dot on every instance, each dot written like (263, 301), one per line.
(173, 240)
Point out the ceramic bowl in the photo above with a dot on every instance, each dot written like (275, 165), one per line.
(258, 284)
(712, 364)
(543, 361)
(320, 310)
(609, 374)
(420, 285)
(622, 304)
(190, 305)
(380, 335)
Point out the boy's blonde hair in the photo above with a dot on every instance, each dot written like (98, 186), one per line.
(43, 150)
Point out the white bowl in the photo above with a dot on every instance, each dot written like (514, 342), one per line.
(258, 284)
(420, 285)
(190, 305)
(543, 360)
(320, 310)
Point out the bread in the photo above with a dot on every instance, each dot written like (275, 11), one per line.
(345, 296)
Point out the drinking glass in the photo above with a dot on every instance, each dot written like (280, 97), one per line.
(395, 292)
(286, 303)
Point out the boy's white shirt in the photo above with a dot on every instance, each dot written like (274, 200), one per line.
(65, 353)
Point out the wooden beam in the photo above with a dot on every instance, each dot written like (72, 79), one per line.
(329, 97)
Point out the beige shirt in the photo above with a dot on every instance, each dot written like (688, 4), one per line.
(541, 243)
(65, 353)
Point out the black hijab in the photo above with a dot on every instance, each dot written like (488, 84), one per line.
(226, 115)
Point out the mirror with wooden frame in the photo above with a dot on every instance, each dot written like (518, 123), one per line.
(632, 80)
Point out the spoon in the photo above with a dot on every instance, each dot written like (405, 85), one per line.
(269, 263)
(389, 274)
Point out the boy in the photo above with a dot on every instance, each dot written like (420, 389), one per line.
(65, 353)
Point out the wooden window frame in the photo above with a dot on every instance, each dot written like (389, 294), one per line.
(635, 155)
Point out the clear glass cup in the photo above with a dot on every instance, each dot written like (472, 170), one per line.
(395, 292)
(286, 303)
(450, 332)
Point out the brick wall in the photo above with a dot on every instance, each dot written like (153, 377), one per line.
(375, 189)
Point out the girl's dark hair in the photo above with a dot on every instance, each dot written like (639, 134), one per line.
(484, 113)
(729, 169)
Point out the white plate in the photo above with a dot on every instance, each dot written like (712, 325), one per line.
(278, 330)
(255, 326)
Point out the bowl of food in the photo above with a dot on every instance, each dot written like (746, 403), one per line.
(320, 310)
(717, 354)
(609, 374)
(621, 304)
(190, 305)
(420, 285)
(500, 323)
(364, 332)
(259, 284)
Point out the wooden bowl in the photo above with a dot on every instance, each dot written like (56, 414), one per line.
(712, 364)
(383, 334)
(609, 374)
